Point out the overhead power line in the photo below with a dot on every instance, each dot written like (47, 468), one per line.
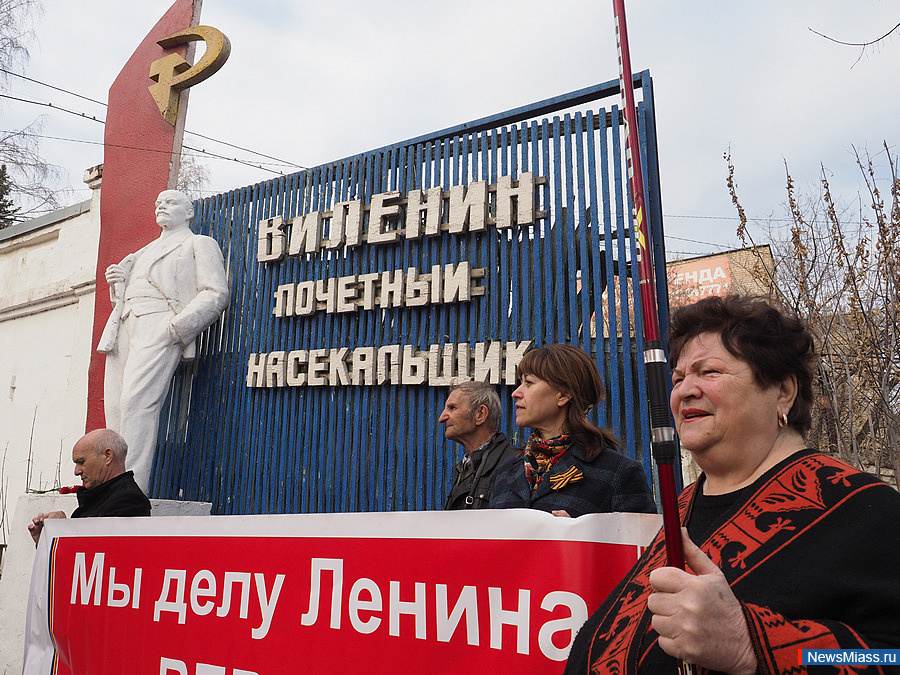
(50, 105)
(237, 147)
(696, 241)
(199, 151)
(283, 162)
(50, 86)
(767, 219)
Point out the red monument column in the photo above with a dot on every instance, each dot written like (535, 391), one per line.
(140, 160)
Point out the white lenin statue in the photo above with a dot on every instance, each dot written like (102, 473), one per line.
(165, 295)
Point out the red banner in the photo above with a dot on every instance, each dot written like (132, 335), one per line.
(498, 591)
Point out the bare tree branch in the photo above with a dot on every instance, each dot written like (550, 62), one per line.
(32, 179)
(838, 268)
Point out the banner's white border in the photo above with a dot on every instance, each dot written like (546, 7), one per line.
(505, 524)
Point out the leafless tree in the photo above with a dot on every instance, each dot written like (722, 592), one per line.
(30, 176)
(838, 268)
(193, 177)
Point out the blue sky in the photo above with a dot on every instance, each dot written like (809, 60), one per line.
(311, 81)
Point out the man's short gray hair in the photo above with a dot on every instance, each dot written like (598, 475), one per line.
(107, 438)
(481, 394)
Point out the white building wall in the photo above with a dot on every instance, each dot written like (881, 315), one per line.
(47, 284)
(47, 287)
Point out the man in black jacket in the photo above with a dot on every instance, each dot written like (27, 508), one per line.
(107, 489)
(471, 417)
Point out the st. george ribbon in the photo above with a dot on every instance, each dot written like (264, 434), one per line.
(662, 432)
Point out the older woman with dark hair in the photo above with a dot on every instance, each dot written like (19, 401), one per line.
(570, 466)
(794, 549)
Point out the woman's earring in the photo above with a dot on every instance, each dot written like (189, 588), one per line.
(782, 420)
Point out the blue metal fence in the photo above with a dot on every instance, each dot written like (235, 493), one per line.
(380, 447)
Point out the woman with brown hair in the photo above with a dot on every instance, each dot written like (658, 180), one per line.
(794, 549)
(569, 466)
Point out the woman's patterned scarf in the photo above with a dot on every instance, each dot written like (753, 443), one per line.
(541, 455)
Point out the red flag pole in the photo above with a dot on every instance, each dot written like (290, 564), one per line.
(662, 433)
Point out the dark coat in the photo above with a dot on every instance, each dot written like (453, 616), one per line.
(472, 480)
(119, 496)
(610, 482)
(810, 550)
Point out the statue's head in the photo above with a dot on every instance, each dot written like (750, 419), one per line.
(174, 210)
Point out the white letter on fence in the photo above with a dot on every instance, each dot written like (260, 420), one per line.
(447, 623)
(383, 206)
(232, 578)
(571, 624)
(417, 288)
(388, 366)
(415, 367)
(295, 375)
(463, 364)
(306, 235)
(275, 369)
(256, 370)
(353, 223)
(487, 362)
(178, 605)
(468, 207)
(318, 366)
(430, 208)
(457, 282)
(368, 289)
(336, 227)
(362, 366)
(391, 289)
(319, 565)
(95, 580)
(518, 618)
(437, 284)
(416, 608)
(305, 301)
(355, 605)
(326, 292)
(271, 240)
(208, 591)
(346, 294)
(266, 606)
(514, 354)
(440, 365)
(284, 301)
(515, 205)
(337, 367)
